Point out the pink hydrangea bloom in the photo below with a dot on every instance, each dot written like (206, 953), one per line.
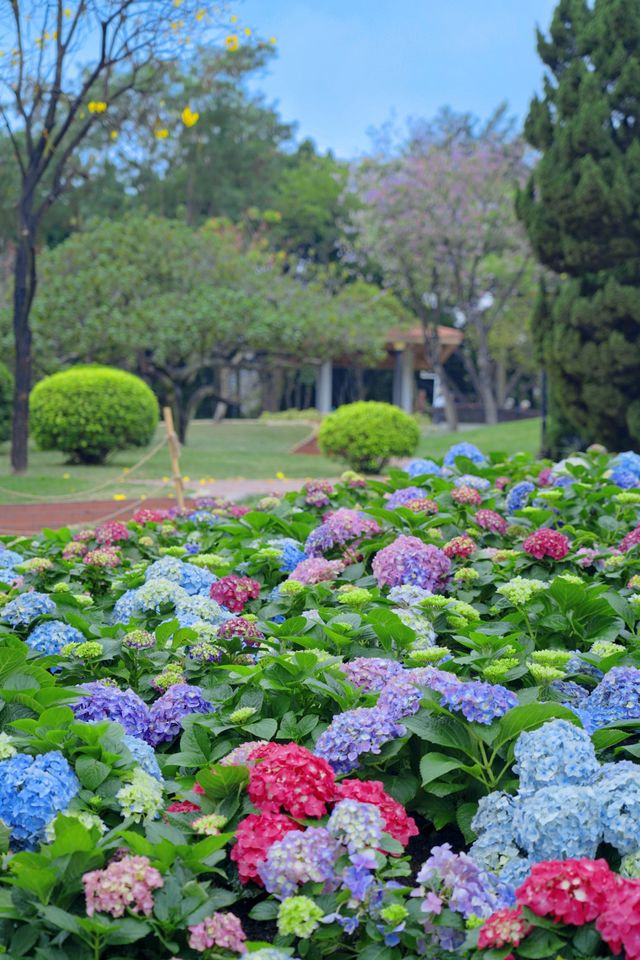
(409, 560)
(463, 547)
(547, 543)
(111, 531)
(222, 930)
(492, 521)
(124, 884)
(467, 496)
(316, 570)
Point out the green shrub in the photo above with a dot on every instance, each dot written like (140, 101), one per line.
(367, 434)
(6, 402)
(88, 412)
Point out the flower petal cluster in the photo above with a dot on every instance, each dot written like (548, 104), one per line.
(51, 636)
(557, 754)
(102, 701)
(571, 891)
(505, 926)
(339, 528)
(126, 884)
(32, 791)
(395, 820)
(403, 496)
(290, 778)
(491, 521)
(255, 835)
(462, 547)
(421, 468)
(141, 799)
(239, 627)
(371, 673)
(300, 857)
(466, 496)
(25, 608)
(316, 570)
(354, 732)
(558, 822)
(547, 543)
(358, 826)
(165, 716)
(518, 496)
(222, 930)
(463, 449)
(619, 921)
(144, 756)
(410, 561)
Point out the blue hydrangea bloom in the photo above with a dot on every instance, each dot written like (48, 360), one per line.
(577, 665)
(190, 577)
(8, 559)
(628, 460)
(557, 754)
(299, 857)
(422, 468)
(363, 730)
(573, 695)
(515, 871)
(21, 611)
(617, 697)
(104, 702)
(493, 850)
(292, 555)
(33, 790)
(201, 608)
(399, 697)
(167, 712)
(468, 450)
(618, 791)
(518, 496)
(126, 607)
(471, 480)
(52, 635)
(204, 517)
(144, 755)
(495, 811)
(479, 702)
(563, 480)
(624, 478)
(400, 497)
(558, 823)
(408, 594)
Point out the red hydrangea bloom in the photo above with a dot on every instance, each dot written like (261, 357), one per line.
(632, 539)
(254, 836)
(462, 547)
(111, 531)
(570, 891)
(547, 543)
(502, 482)
(234, 592)
(545, 477)
(289, 777)
(492, 521)
(397, 823)
(247, 630)
(185, 806)
(144, 515)
(235, 510)
(422, 505)
(466, 495)
(619, 920)
(504, 927)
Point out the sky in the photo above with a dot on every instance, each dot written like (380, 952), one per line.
(345, 66)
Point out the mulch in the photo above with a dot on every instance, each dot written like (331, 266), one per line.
(25, 519)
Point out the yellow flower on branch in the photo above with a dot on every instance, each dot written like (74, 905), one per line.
(189, 117)
(200, 15)
(234, 18)
(114, 134)
(232, 43)
(96, 106)
(272, 40)
(247, 31)
(161, 134)
(68, 11)
(119, 496)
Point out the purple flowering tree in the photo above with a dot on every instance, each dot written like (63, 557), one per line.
(437, 215)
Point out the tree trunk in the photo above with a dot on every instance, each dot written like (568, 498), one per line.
(24, 290)
(485, 373)
(432, 345)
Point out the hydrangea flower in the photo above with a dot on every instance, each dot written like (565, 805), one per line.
(339, 528)
(505, 926)
(255, 835)
(479, 702)
(466, 496)
(557, 754)
(291, 555)
(468, 450)
(618, 793)
(547, 543)
(518, 496)
(358, 826)
(409, 560)
(471, 480)
(556, 823)
(400, 697)
(101, 701)
(9, 558)
(574, 891)
(400, 497)
(165, 715)
(519, 590)
(32, 791)
(51, 636)
(420, 468)
(619, 920)
(316, 570)
(234, 592)
(144, 755)
(222, 930)
(240, 627)
(289, 777)
(370, 673)
(140, 799)
(26, 608)
(193, 579)
(408, 594)
(395, 820)
(300, 857)
(126, 884)
(617, 697)
(463, 547)
(354, 732)
(159, 592)
(491, 521)
(299, 916)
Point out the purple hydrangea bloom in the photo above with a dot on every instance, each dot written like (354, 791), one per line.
(617, 697)
(572, 693)
(165, 716)
(518, 496)
(409, 560)
(354, 732)
(358, 826)
(300, 857)
(400, 697)
(400, 497)
(371, 673)
(471, 480)
(624, 478)
(480, 702)
(464, 449)
(102, 701)
(339, 528)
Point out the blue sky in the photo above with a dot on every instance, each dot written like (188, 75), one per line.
(347, 65)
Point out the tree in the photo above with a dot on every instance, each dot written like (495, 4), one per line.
(581, 208)
(439, 220)
(184, 308)
(49, 105)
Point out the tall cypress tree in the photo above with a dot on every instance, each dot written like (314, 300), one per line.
(581, 208)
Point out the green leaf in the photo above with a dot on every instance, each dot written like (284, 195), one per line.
(435, 765)
(262, 729)
(91, 772)
(61, 919)
(377, 951)
(529, 717)
(540, 944)
(219, 781)
(40, 880)
(265, 910)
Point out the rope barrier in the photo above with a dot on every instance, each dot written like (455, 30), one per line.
(71, 497)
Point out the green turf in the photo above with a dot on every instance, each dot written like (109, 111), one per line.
(230, 449)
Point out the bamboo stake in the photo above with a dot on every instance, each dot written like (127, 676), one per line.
(174, 452)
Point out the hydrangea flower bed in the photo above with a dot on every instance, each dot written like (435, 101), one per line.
(379, 719)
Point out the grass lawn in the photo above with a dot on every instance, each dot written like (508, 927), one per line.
(231, 449)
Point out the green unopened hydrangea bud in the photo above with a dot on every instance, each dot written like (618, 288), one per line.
(517, 530)
(394, 914)
(171, 675)
(69, 649)
(268, 553)
(473, 921)
(458, 623)
(348, 476)
(142, 798)
(427, 656)
(167, 528)
(551, 658)
(138, 640)
(267, 503)
(605, 648)
(83, 599)
(552, 495)
(462, 609)
(466, 574)
(172, 551)
(496, 671)
(145, 541)
(615, 561)
(290, 588)
(354, 596)
(436, 533)
(209, 825)
(627, 496)
(88, 650)
(61, 587)
(298, 916)
(35, 565)
(210, 561)
(7, 748)
(435, 602)
(630, 865)
(242, 714)
(570, 578)
(543, 674)
(519, 590)
(501, 556)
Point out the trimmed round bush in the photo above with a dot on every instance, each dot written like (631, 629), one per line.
(366, 434)
(88, 412)
(6, 401)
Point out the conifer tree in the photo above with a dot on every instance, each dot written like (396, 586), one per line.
(581, 208)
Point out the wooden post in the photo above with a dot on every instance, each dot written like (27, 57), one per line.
(174, 452)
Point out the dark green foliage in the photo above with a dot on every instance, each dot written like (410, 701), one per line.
(6, 394)
(87, 412)
(366, 434)
(581, 209)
